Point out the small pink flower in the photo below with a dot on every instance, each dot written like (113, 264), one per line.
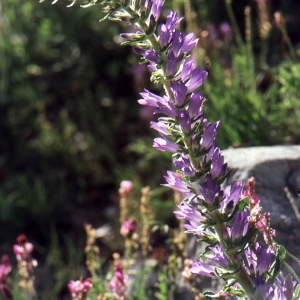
(80, 288)
(125, 189)
(23, 248)
(5, 268)
(118, 283)
(128, 227)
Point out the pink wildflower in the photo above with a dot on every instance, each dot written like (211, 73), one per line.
(128, 227)
(80, 288)
(125, 188)
(118, 283)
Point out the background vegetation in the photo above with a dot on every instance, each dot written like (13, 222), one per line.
(71, 128)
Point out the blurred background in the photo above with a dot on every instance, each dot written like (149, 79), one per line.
(71, 127)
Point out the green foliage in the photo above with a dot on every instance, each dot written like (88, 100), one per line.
(163, 293)
(21, 201)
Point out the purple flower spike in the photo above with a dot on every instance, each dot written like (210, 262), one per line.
(209, 136)
(218, 256)
(209, 191)
(179, 91)
(157, 8)
(165, 145)
(198, 77)
(185, 121)
(202, 268)
(218, 168)
(189, 213)
(183, 163)
(195, 105)
(175, 182)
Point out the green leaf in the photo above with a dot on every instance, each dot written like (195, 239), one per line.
(281, 253)
(297, 292)
(243, 203)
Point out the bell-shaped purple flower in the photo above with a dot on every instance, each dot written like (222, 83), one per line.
(217, 255)
(198, 77)
(284, 290)
(230, 201)
(210, 190)
(165, 35)
(157, 8)
(165, 145)
(175, 182)
(188, 42)
(240, 226)
(184, 165)
(172, 63)
(161, 127)
(186, 69)
(185, 121)
(209, 154)
(195, 105)
(151, 55)
(209, 136)
(189, 213)
(166, 108)
(258, 259)
(218, 168)
(166, 31)
(177, 43)
(172, 20)
(179, 92)
(150, 99)
(202, 268)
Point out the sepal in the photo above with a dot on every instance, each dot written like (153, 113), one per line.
(297, 292)
(133, 37)
(276, 266)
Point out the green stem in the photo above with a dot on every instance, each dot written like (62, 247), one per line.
(292, 256)
(242, 277)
